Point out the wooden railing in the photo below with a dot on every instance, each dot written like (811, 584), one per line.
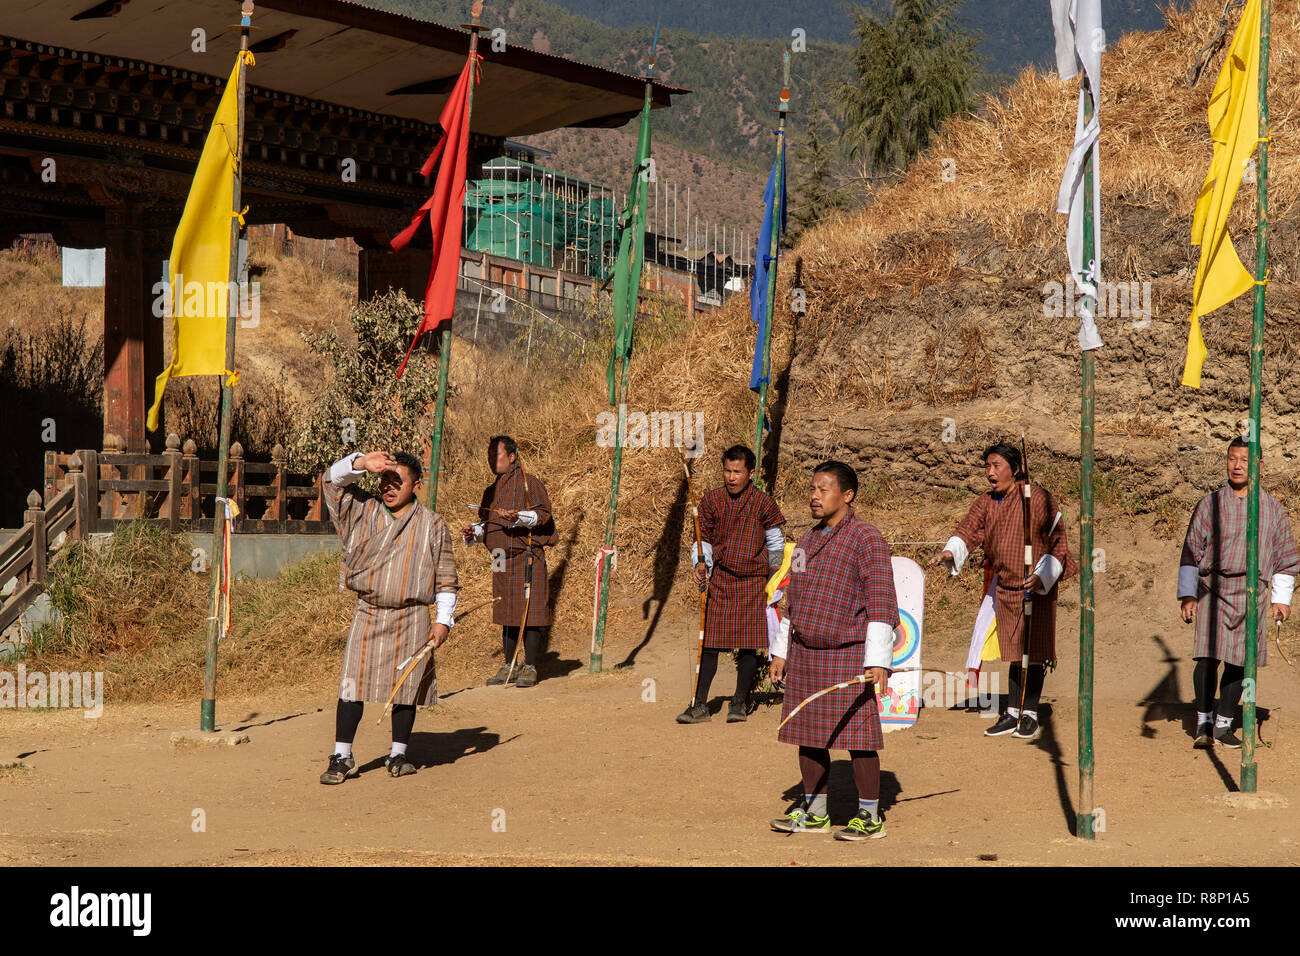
(25, 558)
(177, 489)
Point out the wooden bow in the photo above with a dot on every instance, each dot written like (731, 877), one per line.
(860, 679)
(413, 661)
(528, 585)
(1027, 603)
(704, 592)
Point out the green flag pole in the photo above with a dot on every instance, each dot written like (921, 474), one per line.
(627, 269)
(1087, 408)
(1248, 767)
(444, 348)
(208, 708)
(766, 332)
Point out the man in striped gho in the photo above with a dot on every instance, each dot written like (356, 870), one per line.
(740, 528)
(514, 520)
(996, 523)
(397, 557)
(1212, 591)
(842, 613)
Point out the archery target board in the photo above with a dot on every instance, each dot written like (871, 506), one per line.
(901, 703)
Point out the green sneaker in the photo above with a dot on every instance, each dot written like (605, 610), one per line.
(863, 827)
(799, 820)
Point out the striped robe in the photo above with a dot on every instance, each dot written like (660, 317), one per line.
(509, 547)
(733, 527)
(396, 565)
(1216, 546)
(998, 527)
(843, 582)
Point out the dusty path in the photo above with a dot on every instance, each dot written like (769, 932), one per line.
(582, 769)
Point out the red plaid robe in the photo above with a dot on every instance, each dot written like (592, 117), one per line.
(734, 527)
(1216, 546)
(511, 546)
(841, 579)
(998, 527)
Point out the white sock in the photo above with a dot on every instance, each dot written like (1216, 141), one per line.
(397, 749)
(342, 749)
(1032, 713)
(1206, 717)
(1013, 712)
(1220, 721)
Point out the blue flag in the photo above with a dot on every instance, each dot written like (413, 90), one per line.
(764, 262)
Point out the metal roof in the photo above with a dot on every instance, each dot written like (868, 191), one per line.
(346, 54)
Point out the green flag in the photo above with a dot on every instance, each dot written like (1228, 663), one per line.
(631, 251)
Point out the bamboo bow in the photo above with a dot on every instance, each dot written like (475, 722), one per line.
(413, 661)
(704, 594)
(528, 586)
(1027, 603)
(860, 679)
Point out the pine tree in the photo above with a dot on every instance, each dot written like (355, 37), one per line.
(813, 196)
(915, 69)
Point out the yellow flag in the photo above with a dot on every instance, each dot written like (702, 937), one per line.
(199, 271)
(1234, 128)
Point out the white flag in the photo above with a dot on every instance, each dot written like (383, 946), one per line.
(1079, 43)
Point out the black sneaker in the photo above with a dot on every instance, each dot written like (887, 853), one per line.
(398, 765)
(862, 827)
(340, 769)
(1027, 729)
(736, 713)
(1224, 737)
(527, 676)
(500, 676)
(1005, 725)
(1204, 736)
(695, 714)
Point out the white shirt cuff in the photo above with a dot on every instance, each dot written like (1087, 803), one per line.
(959, 553)
(1283, 585)
(774, 539)
(478, 530)
(778, 637)
(880, 645)
(1048, 570)
(1188, 579)
(342, 471)
(526, 519)
(446, 601)
(708, 556)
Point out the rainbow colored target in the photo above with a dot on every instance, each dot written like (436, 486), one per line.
(907, 638)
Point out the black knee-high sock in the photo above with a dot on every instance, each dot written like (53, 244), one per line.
(403, 723)
(708, 667)
(1230, 689)
(746, 669)
(1013, 686)
(866, 773)
(1205, 681)
(815, 768)
(1034, 686)
(532, 643)
(347, 718)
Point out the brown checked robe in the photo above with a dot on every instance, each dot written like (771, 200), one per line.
(396, 565)
(734, 528)
(509, 547)
(997, 526)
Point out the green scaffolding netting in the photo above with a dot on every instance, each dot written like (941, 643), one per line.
(526, 212)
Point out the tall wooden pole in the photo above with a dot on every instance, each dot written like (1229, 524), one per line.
(1248, 767)
(444, 349)
(1087, 408)
(602, 602)
(208, 710)
(765, 346)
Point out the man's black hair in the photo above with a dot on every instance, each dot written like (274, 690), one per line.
(410, 462)
(1240, 442)
(739, 453)
(1011, 455)
(845, 476)
(507, 441)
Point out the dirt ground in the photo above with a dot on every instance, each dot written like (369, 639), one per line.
(593, 769)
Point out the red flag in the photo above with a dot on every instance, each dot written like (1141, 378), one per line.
(445, 210)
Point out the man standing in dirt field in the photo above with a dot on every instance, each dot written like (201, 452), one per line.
(740, 528)
(842, 613)
(996, 524)
(397, 557)
(515, 524)
(1212, 591)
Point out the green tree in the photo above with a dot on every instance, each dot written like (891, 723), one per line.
(915, 67)
(813, 197)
